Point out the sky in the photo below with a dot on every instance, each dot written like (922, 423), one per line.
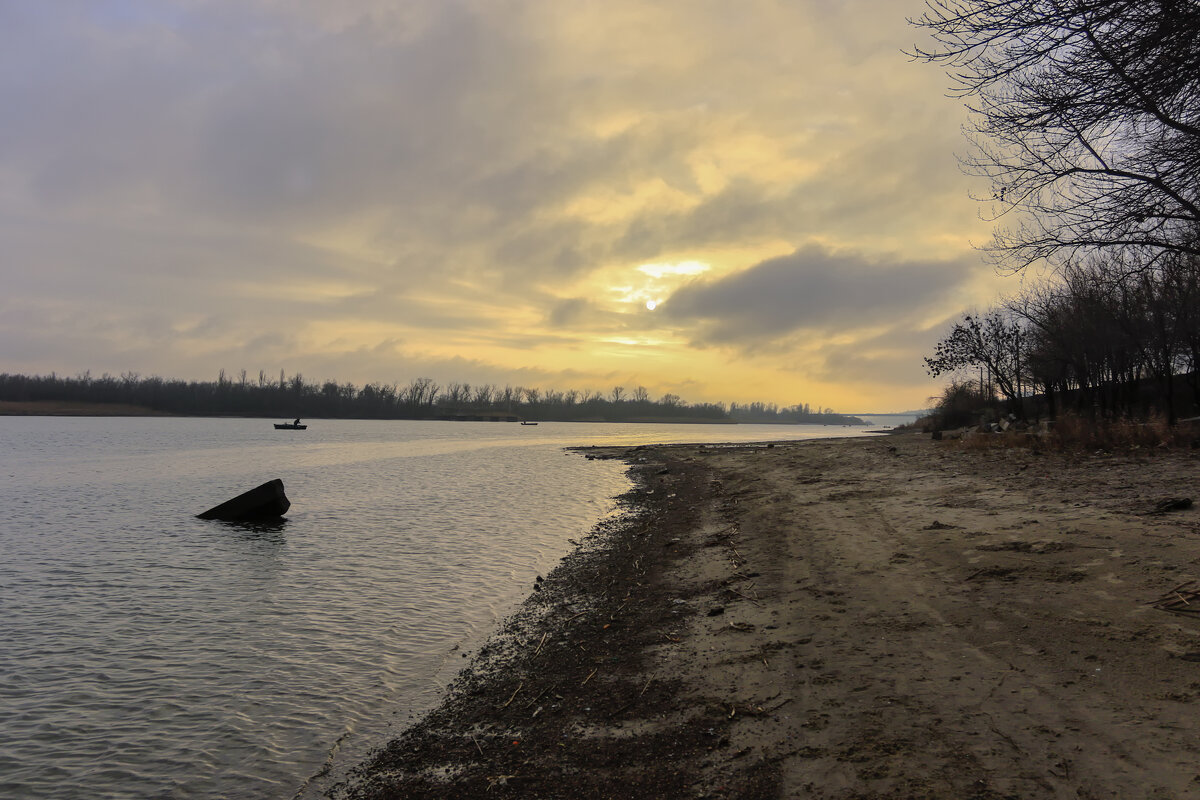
(728, 201)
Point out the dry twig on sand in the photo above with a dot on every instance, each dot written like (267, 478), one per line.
(1183, 599)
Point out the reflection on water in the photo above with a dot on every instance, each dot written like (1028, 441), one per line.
(147, 653)
(270, 530)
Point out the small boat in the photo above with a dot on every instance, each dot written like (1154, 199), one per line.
(290, 426)
(529, 423)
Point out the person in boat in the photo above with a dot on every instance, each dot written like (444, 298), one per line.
(297, 422)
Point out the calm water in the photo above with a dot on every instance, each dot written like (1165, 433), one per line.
(146, 653)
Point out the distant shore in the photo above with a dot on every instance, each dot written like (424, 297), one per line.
(54, 408)
(883, 617)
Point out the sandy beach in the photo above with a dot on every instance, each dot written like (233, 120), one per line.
(866, 618)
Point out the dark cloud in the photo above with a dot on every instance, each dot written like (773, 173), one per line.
(811, 290)
(568, 312)
(892, 356)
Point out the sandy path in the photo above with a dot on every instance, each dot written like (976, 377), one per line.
(883, 618)
(956, 624)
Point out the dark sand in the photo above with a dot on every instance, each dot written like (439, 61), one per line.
(872, 618)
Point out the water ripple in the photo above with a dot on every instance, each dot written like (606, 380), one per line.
(146, 653)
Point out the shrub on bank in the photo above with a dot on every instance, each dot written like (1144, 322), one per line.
(961, 405)
(1074, 432)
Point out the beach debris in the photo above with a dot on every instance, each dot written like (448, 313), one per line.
(1001, 573)
(753, 600)
(262, 502)
(1172, 504)
(1183, 599)
(539, 696)
(940, 526)
(716, 612)
(514, 694)
(500, 780)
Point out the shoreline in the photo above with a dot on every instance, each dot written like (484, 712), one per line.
(47, 408)
(56, 408)
(850, 618)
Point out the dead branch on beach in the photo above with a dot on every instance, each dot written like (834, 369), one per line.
(744, 597)
(1183, 599)
(514, 695)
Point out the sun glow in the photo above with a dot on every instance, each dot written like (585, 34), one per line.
(680, 268)
(650, 283)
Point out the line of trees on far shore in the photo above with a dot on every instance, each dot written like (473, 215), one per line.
(421, 398)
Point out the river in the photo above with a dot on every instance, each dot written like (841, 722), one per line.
(147, 653)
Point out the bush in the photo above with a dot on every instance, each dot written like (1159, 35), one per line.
(1071, 431)
(960, 405)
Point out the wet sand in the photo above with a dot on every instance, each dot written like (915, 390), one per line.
(869, 618)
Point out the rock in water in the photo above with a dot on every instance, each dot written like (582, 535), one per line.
(261, 502)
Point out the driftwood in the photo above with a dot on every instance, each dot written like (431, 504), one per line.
(1172, 504)
(1183, 599)
(514, 694)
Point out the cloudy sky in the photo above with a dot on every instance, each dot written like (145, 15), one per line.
(751, 200)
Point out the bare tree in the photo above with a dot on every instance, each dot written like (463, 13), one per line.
(1086, 114)
(456, 395)
(991, 341)
(483, 394)
(419, 392)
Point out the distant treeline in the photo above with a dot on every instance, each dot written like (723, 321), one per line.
(422, 398)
